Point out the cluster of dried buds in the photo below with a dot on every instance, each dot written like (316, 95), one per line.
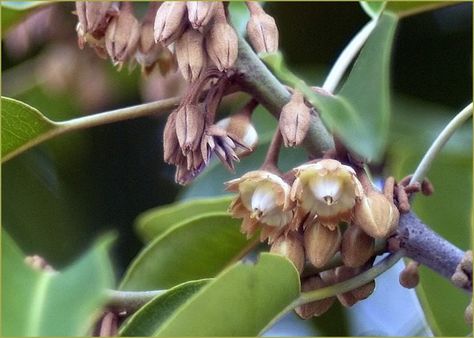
(311, 213)
(197, 37)
(193, 34)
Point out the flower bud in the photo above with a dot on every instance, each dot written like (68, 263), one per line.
(261, 30)
(290, 246)
(410, 277)
(170, 21)
(357, 247)
(321, 243)
(294, 120)
(94, 16)
(364, 291)
(189, 127)
(240, 128)
(318, 307)
(170, 140)
(222, 43)
(190, 54)
(122, 36)
(200, 13)
(344, 273)
(376, 215)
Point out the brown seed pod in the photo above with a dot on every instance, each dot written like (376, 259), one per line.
(376, 215)
(290, 246)
(121, 38)
(190, 54)
(410, 277)
(316, 308)
(294, 120)
(189, 127)
(357, 247)
(321, 243)
(200, 13)
(261, 29)
(170, 21)
(222, 42)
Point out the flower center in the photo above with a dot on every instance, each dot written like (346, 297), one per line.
(326, 189)
(263, 201)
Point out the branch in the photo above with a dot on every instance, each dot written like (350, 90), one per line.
(427, 247)
(419, 242)
(255, 78)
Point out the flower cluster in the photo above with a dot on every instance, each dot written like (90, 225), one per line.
(320, 208)
(196, 38)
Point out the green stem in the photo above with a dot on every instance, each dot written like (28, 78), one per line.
(439, 143)
(350, 284)
(89, 121)
(347, 56)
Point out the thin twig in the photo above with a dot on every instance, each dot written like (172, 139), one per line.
(347, 56)
(439, 143)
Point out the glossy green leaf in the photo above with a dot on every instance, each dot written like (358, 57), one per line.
(147, 320)
(360, 113)
(447, 211)
(22, 125)
(45, 304)
(203, 246)
(154, 222)
(402, 8)
(242, 301)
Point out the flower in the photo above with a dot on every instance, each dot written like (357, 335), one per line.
(326, 190)
(263, 201)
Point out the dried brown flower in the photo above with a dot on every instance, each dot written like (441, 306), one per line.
(294, 120)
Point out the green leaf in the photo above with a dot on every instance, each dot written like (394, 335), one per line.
(202, 245)
(147, 320)
(359, 114)
(154, 222)
(402, 8)
(22, 125)
(242, 301)
(38, 303)
(447, 211)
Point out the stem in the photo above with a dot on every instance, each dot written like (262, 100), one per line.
(347, 55)
(89, 121)
(439, 143)
(425, 246)
(271, 159)
(352, 283)
(130, 301)
(262, 84)
(310, 270)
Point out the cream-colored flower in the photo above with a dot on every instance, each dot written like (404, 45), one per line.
(326, 190)
(263, 201)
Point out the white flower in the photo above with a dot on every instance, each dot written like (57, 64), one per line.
(263, 201)
(326, 190)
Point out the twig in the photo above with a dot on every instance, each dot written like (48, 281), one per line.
(347, 56)
(439, 143)
(157, 107)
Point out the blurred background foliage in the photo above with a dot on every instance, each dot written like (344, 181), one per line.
(61, 195)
